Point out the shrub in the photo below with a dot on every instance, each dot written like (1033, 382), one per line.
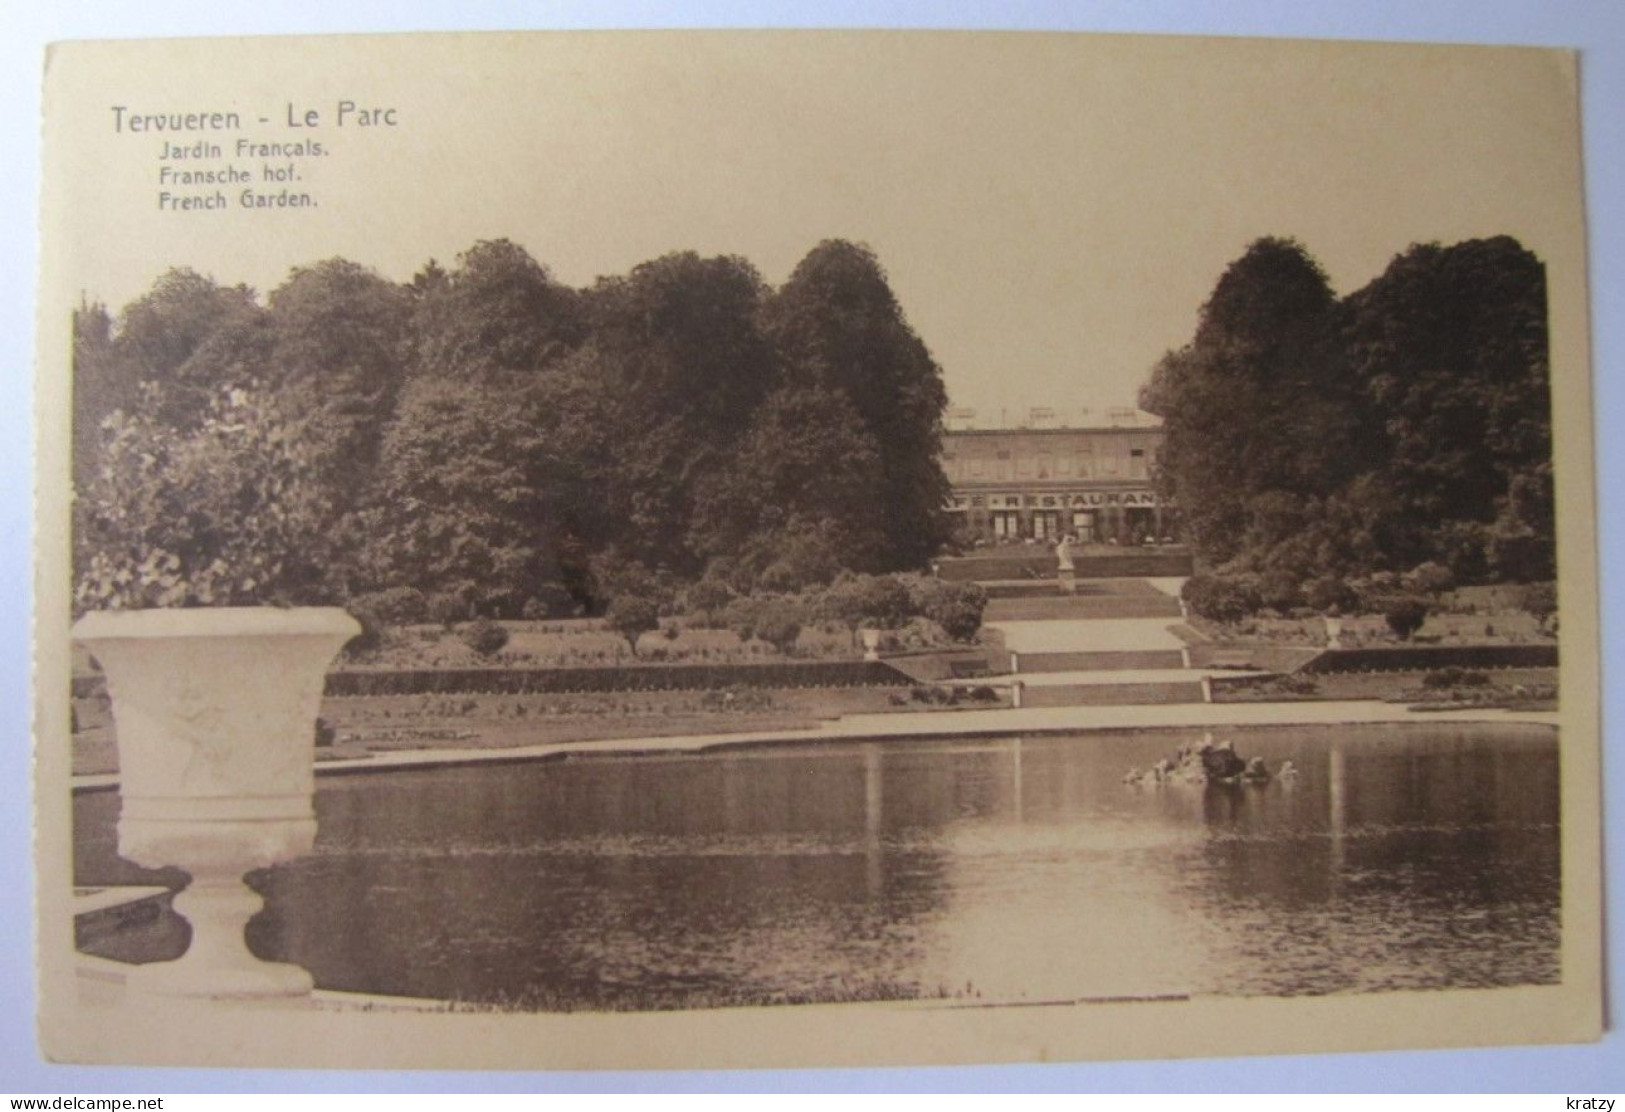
(1430, 579)
(779, 624)
(1279, 590)
(934, 696)
(617, 578)
(883, 601)
(1463, 547)
(741, 614)
(550, 601)
(957, 608)
(325, 734)
(395, 606)
(1405, 615)
(370, 637)
(229, 513)
(632, 616)
(447, 608)
(485, 637)
(708, 596)
(1539, 600)
(1221, 598)
(1330, 594)
(866, 601)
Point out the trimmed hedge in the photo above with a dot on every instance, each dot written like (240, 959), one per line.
(1042, 564)
(1426, 658)
(654, 677)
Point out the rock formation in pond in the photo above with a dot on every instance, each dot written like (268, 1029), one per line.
(1209, 762)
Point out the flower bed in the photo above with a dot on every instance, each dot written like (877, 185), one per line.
(653, 677)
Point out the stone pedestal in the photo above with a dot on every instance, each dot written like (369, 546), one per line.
(871, 644)
(215, 712)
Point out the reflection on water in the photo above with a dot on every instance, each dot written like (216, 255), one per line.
(1009, 869)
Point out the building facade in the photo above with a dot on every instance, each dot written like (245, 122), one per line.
(1038, 483)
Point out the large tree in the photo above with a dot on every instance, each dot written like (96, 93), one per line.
(1409, 422)
(337, 344)
(497, 316)
(837, 326)
(191, 338)
(800, 488)
(464, 502)
(101, 385)
(1450, 344)
(672, 376)
(1258, 403)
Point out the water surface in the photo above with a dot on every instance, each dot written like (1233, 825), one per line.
(996, 870)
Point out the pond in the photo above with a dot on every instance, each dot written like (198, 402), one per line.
(1000, 870)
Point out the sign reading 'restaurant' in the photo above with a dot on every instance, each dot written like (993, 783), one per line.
(1083, 499)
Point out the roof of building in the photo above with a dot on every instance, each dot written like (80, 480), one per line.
(1050, 419)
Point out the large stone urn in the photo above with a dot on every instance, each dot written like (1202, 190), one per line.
(215, 711)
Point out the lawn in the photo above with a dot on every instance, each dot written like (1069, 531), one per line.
(587, 642)
(1466, 616)
(1526, 686)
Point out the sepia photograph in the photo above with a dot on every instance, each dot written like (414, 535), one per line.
(740, 549)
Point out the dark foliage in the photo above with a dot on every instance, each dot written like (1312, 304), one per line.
(1406, 424)
(494, 439)
(1221, 598)
(1405, 615)
(485, 637)
(787, 675)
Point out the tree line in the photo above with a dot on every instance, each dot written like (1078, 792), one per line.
(1312, 440)
(501, 443)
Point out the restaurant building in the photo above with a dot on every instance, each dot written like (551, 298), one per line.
(1084, 473)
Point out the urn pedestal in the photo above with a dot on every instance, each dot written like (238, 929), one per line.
(215, 712)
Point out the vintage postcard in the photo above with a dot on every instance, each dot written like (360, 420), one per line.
(741, 549)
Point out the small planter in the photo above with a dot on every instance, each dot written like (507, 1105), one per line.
(215, 712)
(871, 644)
(1334, 633)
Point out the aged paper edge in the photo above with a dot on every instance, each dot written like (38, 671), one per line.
(872, 1034)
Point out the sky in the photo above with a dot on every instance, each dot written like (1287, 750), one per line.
(1051, 210)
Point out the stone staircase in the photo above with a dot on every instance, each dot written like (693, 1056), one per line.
(1062, 657)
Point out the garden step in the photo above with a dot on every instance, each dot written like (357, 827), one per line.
(1100, 661)
(1081, 606)
(1041, 564)
(1023, 588)
(1110, 694)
